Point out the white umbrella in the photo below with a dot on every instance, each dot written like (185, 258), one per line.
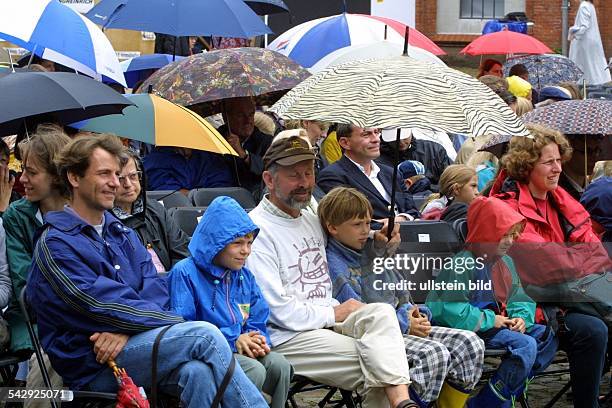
(377, 50)
(56, 32)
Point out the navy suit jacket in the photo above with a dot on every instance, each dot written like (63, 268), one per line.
(345, 173)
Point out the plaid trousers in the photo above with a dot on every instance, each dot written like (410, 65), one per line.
(446, 353)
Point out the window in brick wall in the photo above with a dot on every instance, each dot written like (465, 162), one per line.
(482, 9)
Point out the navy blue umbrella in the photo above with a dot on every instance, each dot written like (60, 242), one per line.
(263, 7)
(61, 97)
(224, 18)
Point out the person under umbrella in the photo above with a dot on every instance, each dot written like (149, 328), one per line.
(159, 233)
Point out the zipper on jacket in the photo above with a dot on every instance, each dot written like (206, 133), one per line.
(227, 296)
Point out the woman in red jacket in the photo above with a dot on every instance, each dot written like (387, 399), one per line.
(558, 245)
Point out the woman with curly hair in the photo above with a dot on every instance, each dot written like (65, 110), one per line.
(557, 252)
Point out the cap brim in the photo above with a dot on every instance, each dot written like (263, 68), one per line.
(291, 160)
(390, 135)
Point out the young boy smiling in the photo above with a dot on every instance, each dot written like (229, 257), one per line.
(213, 285)
(435, 354)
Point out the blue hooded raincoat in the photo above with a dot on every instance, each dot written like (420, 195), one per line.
(201, 290)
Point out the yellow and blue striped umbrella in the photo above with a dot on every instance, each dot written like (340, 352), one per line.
(160, 122)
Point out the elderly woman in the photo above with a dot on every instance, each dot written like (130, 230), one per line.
(166, 242)
(529, 184)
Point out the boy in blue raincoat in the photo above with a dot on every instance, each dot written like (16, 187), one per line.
(214, 285)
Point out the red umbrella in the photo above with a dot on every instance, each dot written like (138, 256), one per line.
(506, 42)
(128, 395)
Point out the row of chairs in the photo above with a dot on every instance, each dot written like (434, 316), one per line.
(201, 197)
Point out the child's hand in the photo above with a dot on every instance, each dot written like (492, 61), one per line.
(518, 324)
(419, 324)
(502, 321)
(248, 346)
(262, 342)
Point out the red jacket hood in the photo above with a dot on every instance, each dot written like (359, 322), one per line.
(489, 219)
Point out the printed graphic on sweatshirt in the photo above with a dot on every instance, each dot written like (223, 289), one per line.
(312, 267)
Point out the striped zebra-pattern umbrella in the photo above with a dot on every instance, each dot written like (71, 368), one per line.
(400, 92)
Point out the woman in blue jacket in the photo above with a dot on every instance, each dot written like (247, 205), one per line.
(213, 285)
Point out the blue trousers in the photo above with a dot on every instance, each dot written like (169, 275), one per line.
(193, 358)
(530, 353)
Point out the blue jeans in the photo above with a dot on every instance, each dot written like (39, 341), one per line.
(530, 353)
(193, 358)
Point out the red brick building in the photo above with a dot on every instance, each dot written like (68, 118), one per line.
(441, 20)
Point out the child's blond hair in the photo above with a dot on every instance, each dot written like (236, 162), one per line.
(343, 204)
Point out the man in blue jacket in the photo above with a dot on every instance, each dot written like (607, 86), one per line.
(98, 297)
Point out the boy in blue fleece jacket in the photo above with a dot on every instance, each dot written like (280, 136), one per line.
(445, 364)
(213, 285)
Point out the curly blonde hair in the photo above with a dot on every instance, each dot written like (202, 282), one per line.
(524, 152)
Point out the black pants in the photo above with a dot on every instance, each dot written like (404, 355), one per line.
(586, 343)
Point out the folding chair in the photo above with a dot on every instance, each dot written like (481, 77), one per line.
(202, 197)
(425, 246)
(187, 218)
(169, 199)
(81, 399)
(302, 384)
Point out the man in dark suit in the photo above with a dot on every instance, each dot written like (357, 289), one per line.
(357, 169)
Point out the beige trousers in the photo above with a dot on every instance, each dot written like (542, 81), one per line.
(365, 353)
(35, 380)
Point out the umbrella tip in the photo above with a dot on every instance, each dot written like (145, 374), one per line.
(406, 36)
(150, 89)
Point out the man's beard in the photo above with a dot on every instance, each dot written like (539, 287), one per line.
(292, 202)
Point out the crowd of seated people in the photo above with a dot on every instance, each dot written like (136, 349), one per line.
(106, 269)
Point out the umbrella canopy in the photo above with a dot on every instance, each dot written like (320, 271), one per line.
(61, 97)
(157, 121)
(309, 42)
(381, 49)
(202, 81)
(56, 32)
(139, 68)
(400, 92)
(546, 69)
(583, 117)
(227, 18)
(506, 42)
(495, 144)
(264, 7)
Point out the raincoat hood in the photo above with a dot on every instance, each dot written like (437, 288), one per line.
(489, 219)
(223, 222)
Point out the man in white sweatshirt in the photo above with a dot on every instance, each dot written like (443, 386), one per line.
(352, 346)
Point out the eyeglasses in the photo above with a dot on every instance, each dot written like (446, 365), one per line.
(133, 177)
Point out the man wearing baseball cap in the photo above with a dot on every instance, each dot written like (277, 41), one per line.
(364, 351)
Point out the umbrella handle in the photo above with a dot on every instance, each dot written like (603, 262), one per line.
(393, 186)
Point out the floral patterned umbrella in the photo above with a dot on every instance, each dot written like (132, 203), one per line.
(547, 69)
(203, 81)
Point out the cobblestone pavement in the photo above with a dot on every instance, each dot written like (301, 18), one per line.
(540, 391)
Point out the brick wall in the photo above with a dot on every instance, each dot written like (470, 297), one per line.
(546, 14)
(547, 18)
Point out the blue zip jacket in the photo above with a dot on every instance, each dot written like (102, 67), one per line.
(81, 283)
(201, 290)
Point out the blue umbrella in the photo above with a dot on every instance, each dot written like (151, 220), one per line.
(546, 69)
(139, 68)
(263, 7)
(226, 18)
(56, 32)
